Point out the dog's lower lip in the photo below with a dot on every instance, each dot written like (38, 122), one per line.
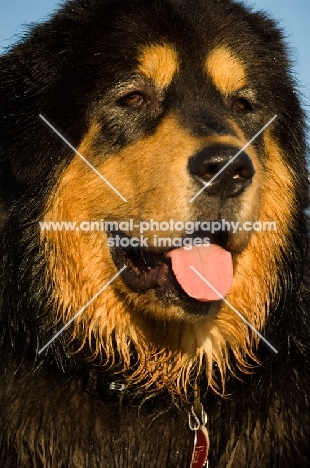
(145, 269)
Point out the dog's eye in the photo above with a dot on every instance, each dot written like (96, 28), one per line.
(132, 100)
(241, 105)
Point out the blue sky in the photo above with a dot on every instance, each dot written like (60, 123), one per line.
(293, 16)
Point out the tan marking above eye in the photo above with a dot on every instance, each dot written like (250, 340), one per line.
(159, 63)
(226, 70)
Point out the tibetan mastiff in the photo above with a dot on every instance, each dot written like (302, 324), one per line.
(154, 250)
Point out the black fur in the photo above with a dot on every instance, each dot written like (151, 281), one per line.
(51, 414)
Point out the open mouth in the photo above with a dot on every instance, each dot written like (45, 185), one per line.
(200, 271)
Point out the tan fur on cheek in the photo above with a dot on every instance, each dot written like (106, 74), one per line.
(80, 263)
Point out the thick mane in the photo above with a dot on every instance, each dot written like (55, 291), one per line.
(136, 93)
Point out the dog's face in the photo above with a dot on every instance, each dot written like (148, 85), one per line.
(173, 102)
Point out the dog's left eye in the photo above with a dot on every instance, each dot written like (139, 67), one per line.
(241, 105)
(133, 100)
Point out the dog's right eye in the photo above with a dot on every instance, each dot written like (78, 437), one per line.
(241, 105)
(132, 100)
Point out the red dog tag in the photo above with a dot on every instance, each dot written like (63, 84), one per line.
(200, 448)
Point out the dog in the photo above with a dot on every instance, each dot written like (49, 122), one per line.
(155, 258)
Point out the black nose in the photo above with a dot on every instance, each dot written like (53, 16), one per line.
(228, 179)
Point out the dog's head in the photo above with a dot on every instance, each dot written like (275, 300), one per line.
(184, 121)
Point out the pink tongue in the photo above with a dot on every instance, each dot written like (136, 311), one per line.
(212, 262)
